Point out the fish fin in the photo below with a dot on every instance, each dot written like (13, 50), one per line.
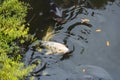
(39, 49)
(48, 53)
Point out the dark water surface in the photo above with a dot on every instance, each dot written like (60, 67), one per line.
(91, 58)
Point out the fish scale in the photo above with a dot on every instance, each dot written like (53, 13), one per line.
(55, 47)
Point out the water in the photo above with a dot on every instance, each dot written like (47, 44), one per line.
(90, 58)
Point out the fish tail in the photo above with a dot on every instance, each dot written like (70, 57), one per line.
(49, 34)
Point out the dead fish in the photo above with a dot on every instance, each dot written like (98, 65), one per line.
(54, 47)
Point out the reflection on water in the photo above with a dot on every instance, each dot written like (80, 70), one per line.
(88, 50)
(100, 4)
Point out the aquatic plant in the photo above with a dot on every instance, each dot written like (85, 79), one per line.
(12, 28)
(12, 70)
(12, 14)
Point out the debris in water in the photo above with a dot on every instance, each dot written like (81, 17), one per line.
(83, 70)
(94, 73)
(98, 30)
(85, 20)
(107, 43)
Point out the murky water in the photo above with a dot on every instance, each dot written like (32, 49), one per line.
(94, 54)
